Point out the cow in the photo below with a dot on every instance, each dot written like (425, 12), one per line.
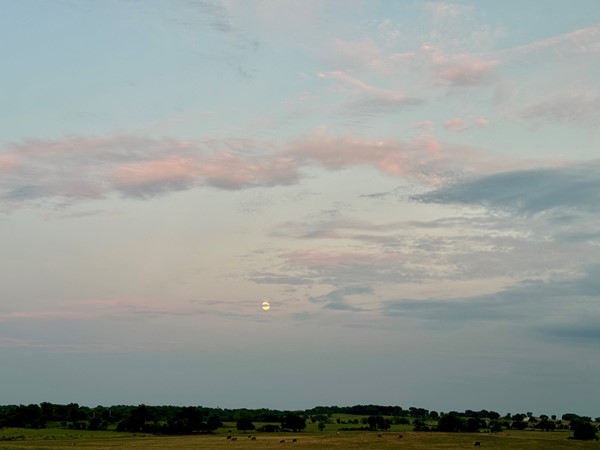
(282, 441)
(477, 444)
(253, 438)
(234, 439)
(399, 436)
(228, 437)
(294, 440)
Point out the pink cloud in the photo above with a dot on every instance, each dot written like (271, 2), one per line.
(462, 70)
(579, 42)
(481, 122)
(359, 87)
(78, 168)
(424, 160)
(231, 171)
(457, 124)
(174, 169)
(411, 159)
(7, 162)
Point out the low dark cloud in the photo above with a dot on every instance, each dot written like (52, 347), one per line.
(337, 299)
(584, 331)
(575, 187)
(544, 309)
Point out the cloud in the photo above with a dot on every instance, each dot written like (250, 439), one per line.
(369, 101)
(575, 187)
(541, 309)
(341, 299)
(361, 54)
(426, 125)
(77, 168)
(74, 169)
(44, 315)
(577, 106)
(584, 331)
(461, 70)
(317, 258)
(424, 160)
(584, 41)
(457, 124)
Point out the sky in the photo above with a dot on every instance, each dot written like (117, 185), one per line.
(413, 185)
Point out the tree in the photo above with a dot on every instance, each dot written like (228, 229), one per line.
(495, 426)
(293, 422)
(213, 422)
(188, 420)
(450, 423)
(419, 425)
(378, 423)
(321, 426)
(518, 425)
(244, 424)
(473, 425)
(96, 423)
(583, 431)
(137, 419)
(546, 425)
(494, 415)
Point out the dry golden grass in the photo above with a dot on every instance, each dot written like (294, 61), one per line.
(524, 440)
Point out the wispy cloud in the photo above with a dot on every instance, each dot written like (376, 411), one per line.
(584, 41)
(367, 101)
(461, 70)
(578, 106)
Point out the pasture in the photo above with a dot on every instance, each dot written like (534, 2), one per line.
(58, 439)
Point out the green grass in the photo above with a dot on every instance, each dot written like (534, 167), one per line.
(59, 439)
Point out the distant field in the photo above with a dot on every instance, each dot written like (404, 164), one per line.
(69, 439)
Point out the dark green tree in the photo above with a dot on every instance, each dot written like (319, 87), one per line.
(244, 424)
(495, 426)
(519, 425)
(450, 423)
(419, 425)
(137, 419)
(293, 422)
(545, 425)
(213, 422)
(583, 431)
(473, 425)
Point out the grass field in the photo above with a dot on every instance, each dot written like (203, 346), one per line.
(69, 439)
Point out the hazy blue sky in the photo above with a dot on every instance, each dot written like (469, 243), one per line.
(415, 186)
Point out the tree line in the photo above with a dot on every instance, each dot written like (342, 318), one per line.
(198, 419)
